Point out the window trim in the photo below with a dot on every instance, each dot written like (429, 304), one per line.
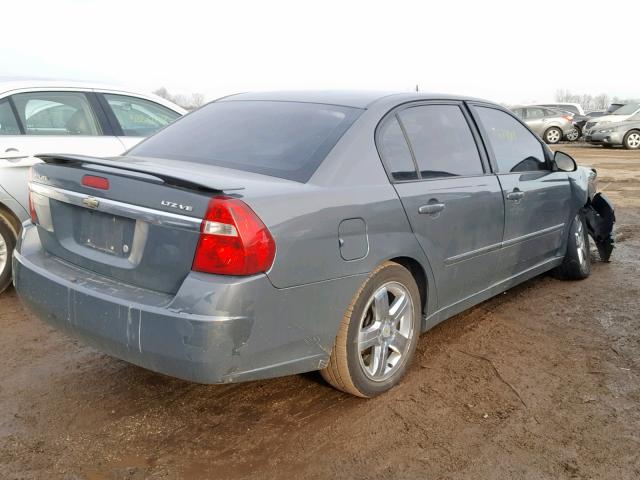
(14, 111)
(487, 144)
(475, 133)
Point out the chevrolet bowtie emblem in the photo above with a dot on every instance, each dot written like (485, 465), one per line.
(90, 202)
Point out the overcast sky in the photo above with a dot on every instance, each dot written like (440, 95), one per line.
(507, 51)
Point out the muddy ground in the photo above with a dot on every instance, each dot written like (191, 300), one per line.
(542, 382)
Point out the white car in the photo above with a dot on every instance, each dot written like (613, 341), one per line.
(42, 116)
(620, 115)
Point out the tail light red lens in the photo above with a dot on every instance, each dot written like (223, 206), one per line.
(32, 210)
(233, 240)
(568, 117)
(95, 182)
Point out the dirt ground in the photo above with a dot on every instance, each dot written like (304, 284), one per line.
(542, 382)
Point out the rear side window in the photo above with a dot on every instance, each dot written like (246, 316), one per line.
(138, 117)
(56, 113)
(515, 148)
(441, 141)
(8, 122)
(395, 151)
(282, 139)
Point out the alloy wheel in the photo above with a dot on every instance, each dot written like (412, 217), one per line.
(553, 135)
(386, 330)
(3, 253)
(581, 242)
(633, 140)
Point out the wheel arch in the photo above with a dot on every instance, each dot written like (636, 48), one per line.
(419, 275)
(12, 219)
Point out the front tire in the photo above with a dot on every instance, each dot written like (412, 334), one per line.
(632, 140)
(7, 245)
(378, 334)
(552, 135)
(577, 260)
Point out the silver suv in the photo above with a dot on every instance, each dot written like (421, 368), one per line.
(551, 125)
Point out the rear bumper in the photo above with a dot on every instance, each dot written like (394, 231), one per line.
(216, 329)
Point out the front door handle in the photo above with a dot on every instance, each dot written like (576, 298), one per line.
(431, 208)
(515, 195)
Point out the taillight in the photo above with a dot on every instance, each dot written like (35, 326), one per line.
(233, 240)
(568, 117)
(32, 210)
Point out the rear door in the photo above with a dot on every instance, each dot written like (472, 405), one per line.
(534, 118)
(454, 204)
(537, 199)
(50, 122)
(133, 119)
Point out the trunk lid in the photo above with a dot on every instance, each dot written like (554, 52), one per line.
(142, 230)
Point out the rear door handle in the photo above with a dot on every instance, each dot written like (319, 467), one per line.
(431, 208)
(515, 195)
(12, 154)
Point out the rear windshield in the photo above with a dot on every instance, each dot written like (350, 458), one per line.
(628, 109)
(282, 139)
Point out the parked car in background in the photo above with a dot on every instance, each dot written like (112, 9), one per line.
(268, 234)
(574, 108)
(626, 133)
(42, 116)
(620, 115)
(551, 125)
(612, 108)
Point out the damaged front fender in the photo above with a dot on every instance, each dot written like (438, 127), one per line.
(600, 217)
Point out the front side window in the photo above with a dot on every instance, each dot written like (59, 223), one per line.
(278, 138)
(441, 140)
(395, 151)
(138, 117)
(8, 122)
(56, 113)
(515, 148)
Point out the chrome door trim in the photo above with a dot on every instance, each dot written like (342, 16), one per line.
(531, 235)
(497, 246)
(113, 207)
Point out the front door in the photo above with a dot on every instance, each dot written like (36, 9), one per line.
(537, 199)
(455, 208)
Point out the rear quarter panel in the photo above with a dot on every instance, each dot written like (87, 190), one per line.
(350, 184)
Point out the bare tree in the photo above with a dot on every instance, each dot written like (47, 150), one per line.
(189, 102)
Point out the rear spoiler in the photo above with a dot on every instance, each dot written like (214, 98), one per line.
(140, 172)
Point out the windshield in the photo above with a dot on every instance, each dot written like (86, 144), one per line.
(628, 109)
(282, 139)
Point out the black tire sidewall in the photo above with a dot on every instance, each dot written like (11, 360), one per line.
(365, 385)
(10, 241)
(579, 270)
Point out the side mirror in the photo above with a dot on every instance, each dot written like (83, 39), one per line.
(564, 162)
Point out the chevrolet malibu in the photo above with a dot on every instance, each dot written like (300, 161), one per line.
(277, 233)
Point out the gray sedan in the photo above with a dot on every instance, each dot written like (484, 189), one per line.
(269, 234)
(626, 134)
(551, 125)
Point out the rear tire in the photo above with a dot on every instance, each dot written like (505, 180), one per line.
(573, 135)
(378, 334)
(577, 260)
(552, 135)
(7, 245)
(632, 140)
